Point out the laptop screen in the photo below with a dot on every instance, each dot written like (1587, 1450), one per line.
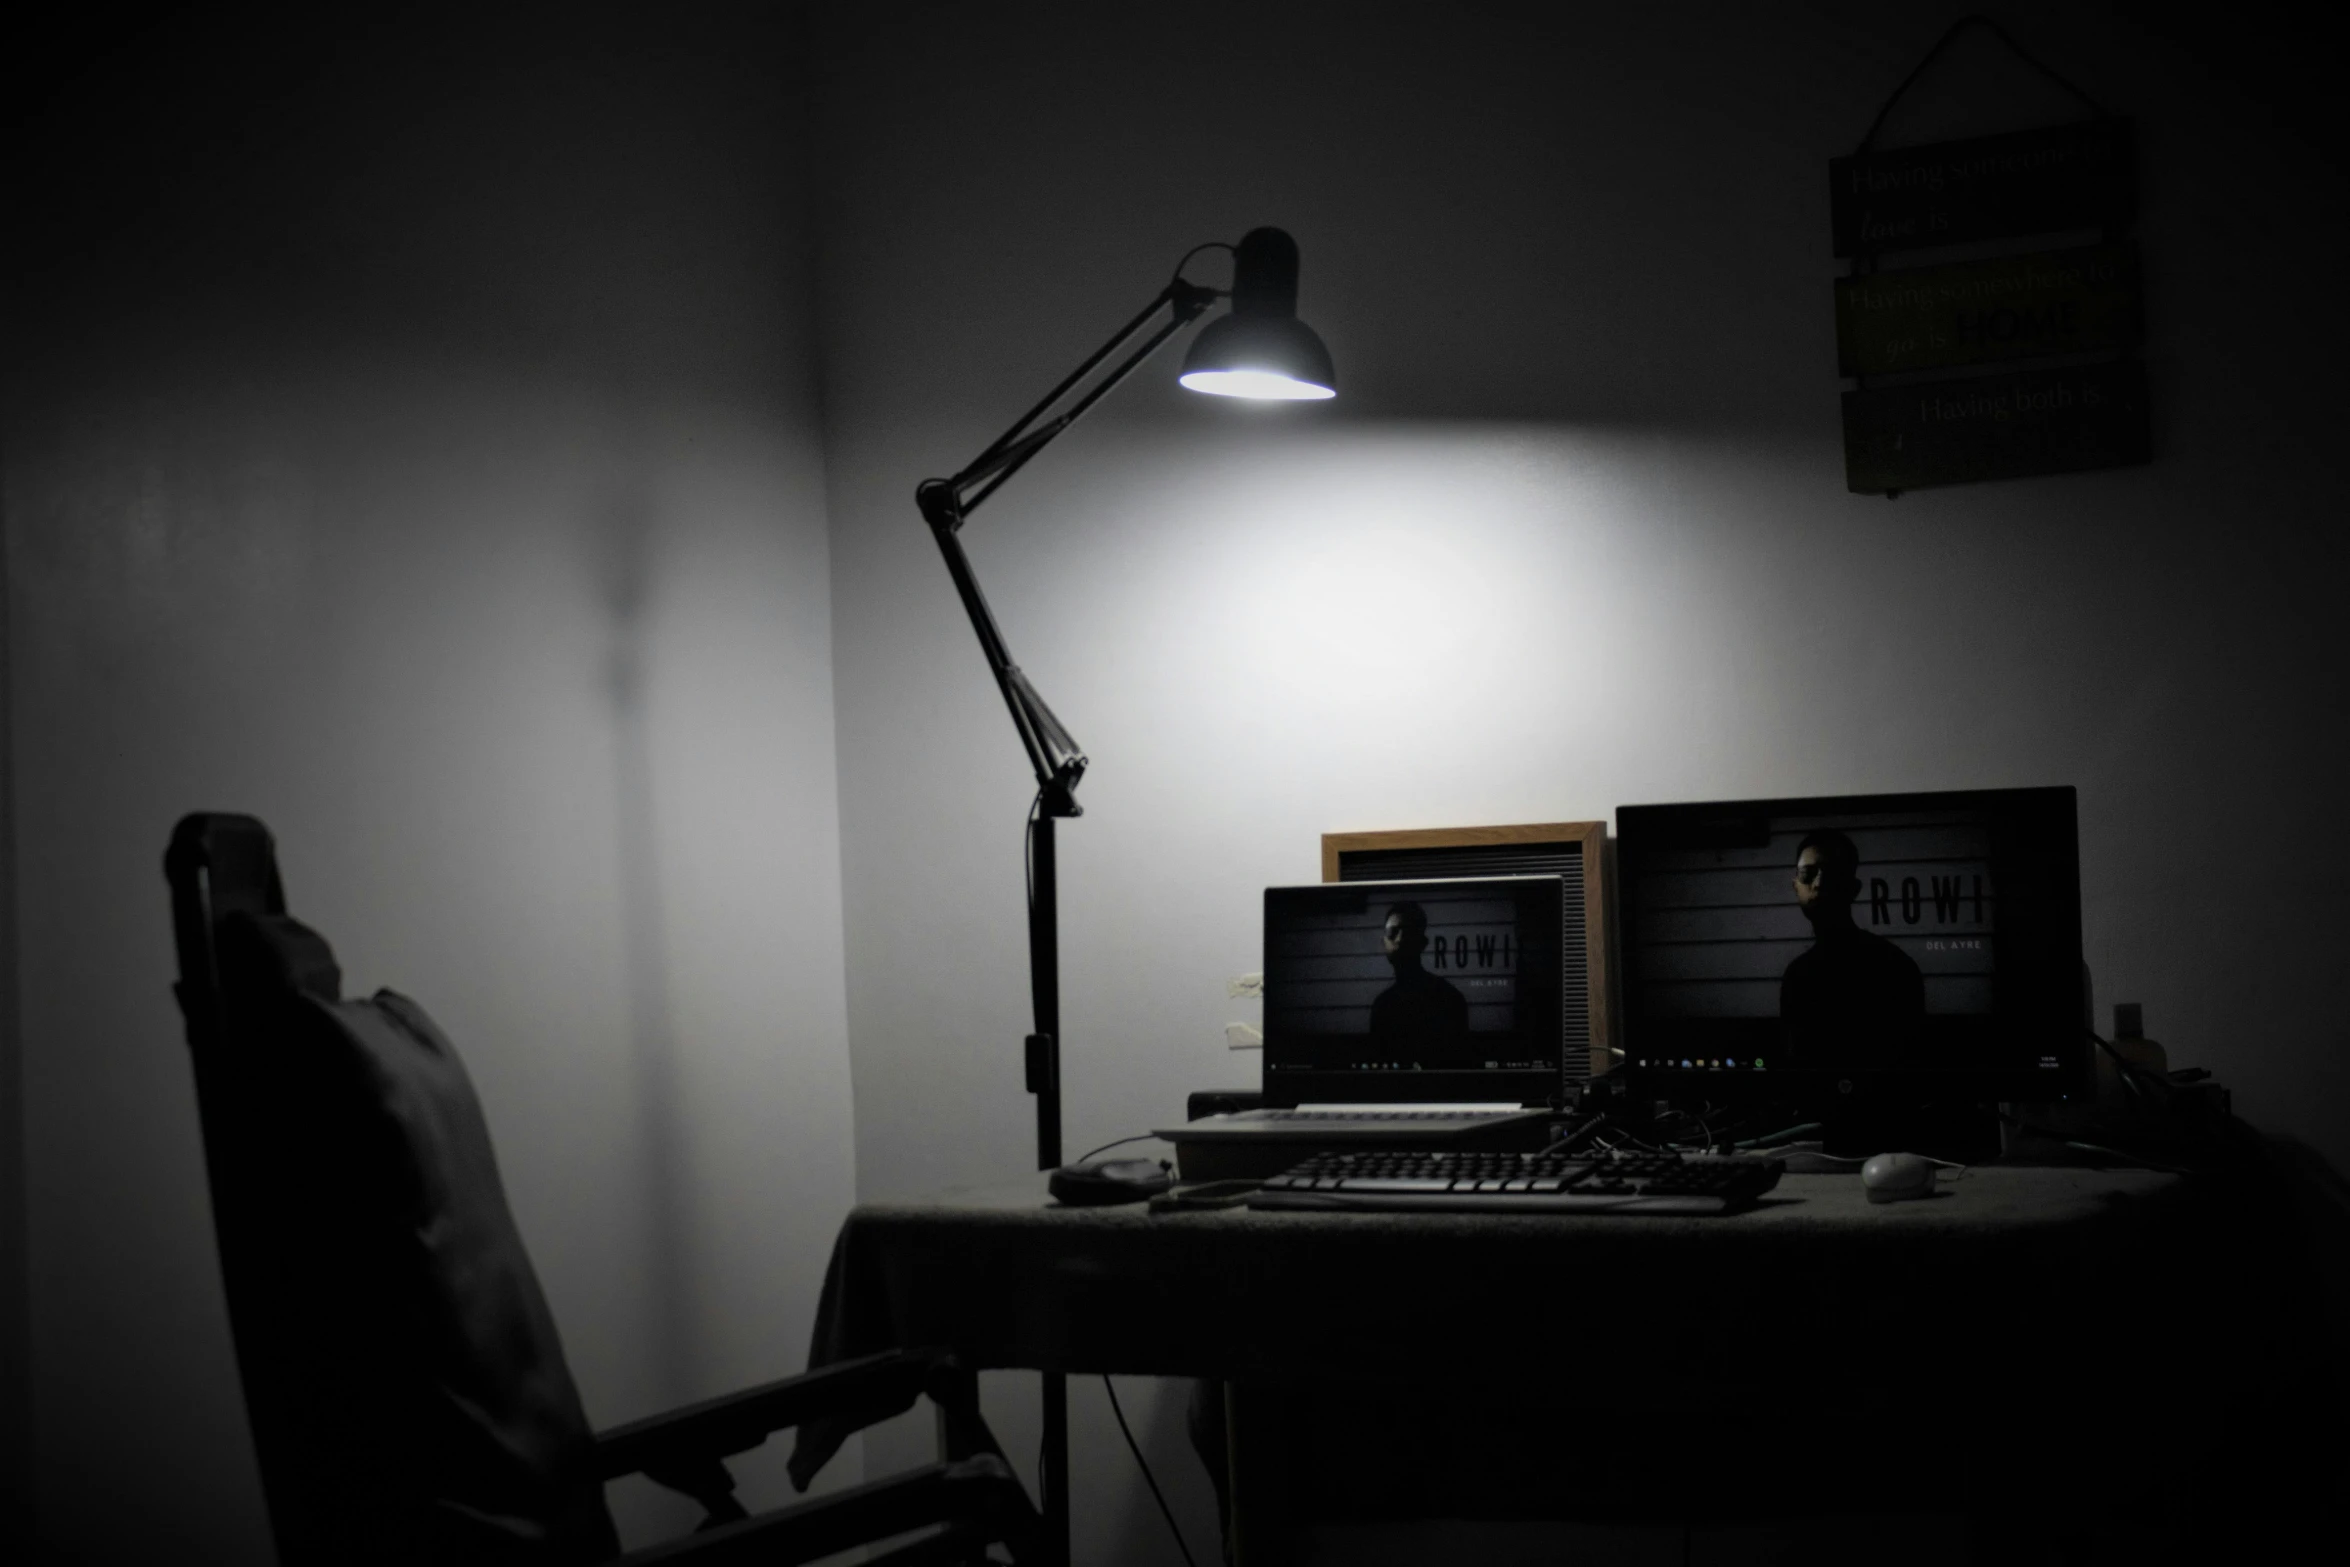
(1424, 991)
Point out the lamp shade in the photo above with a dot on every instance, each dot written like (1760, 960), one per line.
(1261, 350)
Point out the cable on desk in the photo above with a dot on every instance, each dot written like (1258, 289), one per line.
(2132, 1075)
(1148, 1478)
(2123, 1154)
(1138, 1137)
(1857, 1159)
(1700, 1131)
(1784, 1135)
(1579, 1135)
(2127, 1157)
(1628, 1140)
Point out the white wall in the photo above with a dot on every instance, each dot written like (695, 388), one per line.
(1574, 535)
(411, 440)
(407, 438)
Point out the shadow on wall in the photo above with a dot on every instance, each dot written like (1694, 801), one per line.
(409, 440)
(623, 541)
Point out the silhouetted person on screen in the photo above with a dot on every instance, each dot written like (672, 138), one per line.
(1419, 1014)
(1852, 998)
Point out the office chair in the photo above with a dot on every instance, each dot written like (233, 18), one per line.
(407, 1392)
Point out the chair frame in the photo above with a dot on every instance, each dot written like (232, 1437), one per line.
(220, 864)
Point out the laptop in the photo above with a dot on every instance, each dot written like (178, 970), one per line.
(1399, 1014)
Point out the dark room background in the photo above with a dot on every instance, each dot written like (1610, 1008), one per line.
(481, 442)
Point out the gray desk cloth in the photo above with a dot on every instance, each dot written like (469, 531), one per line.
(2008, 1274)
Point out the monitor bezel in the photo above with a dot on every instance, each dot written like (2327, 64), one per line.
(2057, 808)
(1542, 1087)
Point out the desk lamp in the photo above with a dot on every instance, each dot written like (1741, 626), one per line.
(1260, 351)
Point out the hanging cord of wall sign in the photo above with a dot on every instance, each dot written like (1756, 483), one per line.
(1864, 262)
(1868, 143)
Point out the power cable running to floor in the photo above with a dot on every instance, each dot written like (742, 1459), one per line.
(1148, 1478)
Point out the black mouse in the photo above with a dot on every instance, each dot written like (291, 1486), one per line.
(1096, 1183)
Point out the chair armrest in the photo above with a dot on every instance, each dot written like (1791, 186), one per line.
(980, 1494)
(855, 1392)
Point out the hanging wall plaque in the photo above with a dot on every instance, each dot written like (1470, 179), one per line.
(1985, 312)
(2044, 339)
(1988, 187)
(2011, 425)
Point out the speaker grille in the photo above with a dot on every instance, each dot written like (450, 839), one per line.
(1563, 860)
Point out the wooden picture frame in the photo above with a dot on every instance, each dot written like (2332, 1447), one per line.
(1536, 847)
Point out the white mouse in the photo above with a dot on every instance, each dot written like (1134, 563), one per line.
(1889, 1177)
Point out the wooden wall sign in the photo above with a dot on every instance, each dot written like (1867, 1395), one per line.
(2051, 336)
(2082, 175)
(1986, 312)
(1987, 305)
(2011, 425)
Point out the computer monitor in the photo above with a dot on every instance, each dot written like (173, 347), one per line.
(1414, 992)
(1860, 949)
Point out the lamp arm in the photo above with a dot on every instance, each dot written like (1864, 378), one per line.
(1183, 299)
(1058, 760)
(1054, 754)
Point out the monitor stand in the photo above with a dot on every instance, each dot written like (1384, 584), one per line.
(1966, 1133)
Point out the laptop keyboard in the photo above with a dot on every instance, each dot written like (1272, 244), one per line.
(1287, 1117)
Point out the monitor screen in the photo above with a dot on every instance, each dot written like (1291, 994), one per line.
(1414, 990)
(1929, 943)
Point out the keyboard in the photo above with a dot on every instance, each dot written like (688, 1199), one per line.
(1252, 1144)
(1490, 1182)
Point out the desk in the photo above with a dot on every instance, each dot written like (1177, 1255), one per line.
(1989, 1341)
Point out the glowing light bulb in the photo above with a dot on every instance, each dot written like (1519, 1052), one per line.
(1260, 385)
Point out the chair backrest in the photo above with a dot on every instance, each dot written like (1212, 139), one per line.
(403, 1377)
